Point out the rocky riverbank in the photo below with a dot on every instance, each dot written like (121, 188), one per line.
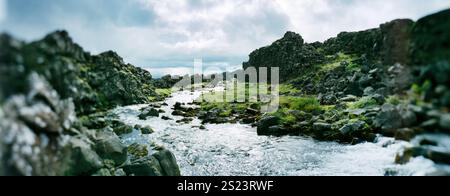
(54, 99)
(391, 81)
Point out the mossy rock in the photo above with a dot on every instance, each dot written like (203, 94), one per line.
(138, 150)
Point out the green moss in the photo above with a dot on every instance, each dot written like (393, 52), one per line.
(363, 103)
(307, 104)
(289, 119)
(421, 89)
(286, 117)
(164, 92)
(241, 107)
(234, 92)
(152, 99)
(337, 60)
(288, 89)
(353, 66)
(394, 100)
(138, 150)
(226, 113)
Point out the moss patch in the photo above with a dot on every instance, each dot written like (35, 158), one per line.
(362, 103)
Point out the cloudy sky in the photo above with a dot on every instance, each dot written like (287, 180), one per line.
(165, 36)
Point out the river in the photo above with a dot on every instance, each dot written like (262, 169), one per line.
(236, 149)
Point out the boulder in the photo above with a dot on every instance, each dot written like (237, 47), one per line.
(379, 98)
(147, 130)
(445, 99)
(392, 117)
(427, 152)
(123, 129)
(405, 134)
(320, 126)
(277, 130)
(166, 118)
(265, 123)
(162, 163)
(168, 163)
(351, 128)
(178, 106)
(138, 150)
(146, 166)
(148, 112)
(185, 120)
(84, 159)
(109, 146)
(444, 122)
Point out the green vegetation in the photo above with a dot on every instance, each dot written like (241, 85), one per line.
(289, 104)
(363, 103)
(394, 100)
(164, 92)
(337, 60)
(287, 118)
(237, 92)
(288, 89)
(423, 88)
(306, 104)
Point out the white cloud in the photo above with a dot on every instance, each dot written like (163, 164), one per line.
(3, 10)
(322, 19)
(219, 31)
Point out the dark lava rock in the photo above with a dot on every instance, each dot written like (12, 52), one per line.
(263, 126)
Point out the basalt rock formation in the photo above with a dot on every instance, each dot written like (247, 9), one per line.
(53, 96)
(392, 80)
(95, 82)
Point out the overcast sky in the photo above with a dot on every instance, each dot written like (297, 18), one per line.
(165, 36)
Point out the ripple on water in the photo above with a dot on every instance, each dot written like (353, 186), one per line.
(235, 149)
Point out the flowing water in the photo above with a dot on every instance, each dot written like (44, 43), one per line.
(235, 149)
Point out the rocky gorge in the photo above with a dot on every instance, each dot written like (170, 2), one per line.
(355, 99)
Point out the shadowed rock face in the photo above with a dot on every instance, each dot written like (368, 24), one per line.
(359, 43)
(430, 49)
(430, 38)
(389, 44)
(396, 39)
(290, 53)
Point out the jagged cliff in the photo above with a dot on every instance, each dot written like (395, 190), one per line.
(388, 44)
(53, 96)
(392, 80)
(95, 82)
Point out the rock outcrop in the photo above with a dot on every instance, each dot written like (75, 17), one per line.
(290, 53)
(44, 87)
(95, 82)
(359, 43)
(392, 80)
